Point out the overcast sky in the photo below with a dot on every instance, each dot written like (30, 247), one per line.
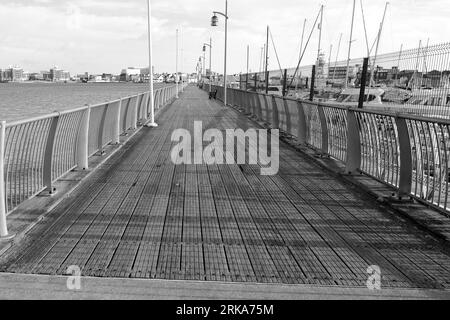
(108, 35)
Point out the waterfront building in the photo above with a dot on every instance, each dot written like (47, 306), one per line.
(130, 74)
(57, 74)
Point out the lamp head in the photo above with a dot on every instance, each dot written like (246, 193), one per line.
(204, 48)
(214, 21)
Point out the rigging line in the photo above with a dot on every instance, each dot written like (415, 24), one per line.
(276, 53)
(306, 46)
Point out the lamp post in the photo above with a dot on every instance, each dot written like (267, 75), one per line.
(214, 23)
(176, 67)
(210, 60)
(152, 122)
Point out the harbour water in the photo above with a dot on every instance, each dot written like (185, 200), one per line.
(24, 100)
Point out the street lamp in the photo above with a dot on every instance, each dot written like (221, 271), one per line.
(176, 67)
(210, 55)
(214, 23)
(151, 123)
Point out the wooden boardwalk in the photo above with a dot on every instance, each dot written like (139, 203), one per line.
(140, 216)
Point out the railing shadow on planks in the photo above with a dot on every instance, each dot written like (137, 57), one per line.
(36, 152)
(409, 153)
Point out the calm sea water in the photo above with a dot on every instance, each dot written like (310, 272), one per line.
(25, 100)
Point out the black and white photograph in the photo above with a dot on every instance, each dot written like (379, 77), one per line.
(225, 158)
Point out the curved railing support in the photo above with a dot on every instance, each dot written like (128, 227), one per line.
(324, 127)
(406, 168)
(3, 226)
(48, 156)
(353, 164)
(302, 128)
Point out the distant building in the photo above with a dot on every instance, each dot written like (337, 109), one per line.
(46, 76)
(338, 74)
(14, 74)
(107, 77)
(36, 76)
(4, 75)
(130, 74)
(57, 75)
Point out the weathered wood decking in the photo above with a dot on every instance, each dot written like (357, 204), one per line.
(140, 216)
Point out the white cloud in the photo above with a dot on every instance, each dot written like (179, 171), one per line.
(107, 35)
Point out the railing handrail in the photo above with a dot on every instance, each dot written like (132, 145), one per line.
(37, 151)
(408, 152)
(72, 110)
(353, 108)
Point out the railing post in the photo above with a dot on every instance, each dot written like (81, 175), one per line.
(353, 143)
(102, 129)
(134, 115)
(83, 141)
(116, 139)
(324, 127)
(3, 224)
(248, 109)
(405, 183)
(48, 156)
(145, 106)
(362, 91)
(302, 128)
(313, 80)
(288, 116)
(275, 114)
(258, 105)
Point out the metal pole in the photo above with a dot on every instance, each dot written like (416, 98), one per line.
(181, 58)
(3, 225)
(210, 64)
(204, 65)
(284, 82)
(152, 122)
(362, 91)
(313, 78)
(267, 62)
(248, 62)
(320, 35)
(176, 67)
(378, 44)
(337, 56)
(300, 55)
(225, 63)
(350, 45)
(398, 63)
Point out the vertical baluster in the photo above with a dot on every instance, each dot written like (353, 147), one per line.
(324, 127)
(3, 226)
(83, 141)
(48, 156)
(116, 123)
(405, 183)
(353, 143)
(302, 127)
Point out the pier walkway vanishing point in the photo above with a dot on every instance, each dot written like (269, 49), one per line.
(140, 216)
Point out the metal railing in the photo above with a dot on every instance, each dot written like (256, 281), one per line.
(410, 153)
(413, 81)
(35, 153)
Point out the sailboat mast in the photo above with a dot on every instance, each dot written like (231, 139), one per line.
(378, 45)
(350, 45)
(300, 54)
(303, 37)
(320, 34)
(267, 60)
(337, 56)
